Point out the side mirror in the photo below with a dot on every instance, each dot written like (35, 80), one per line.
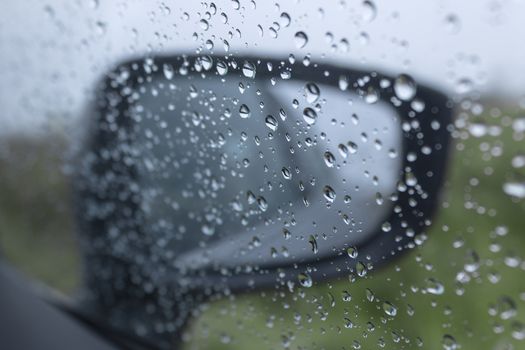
(205, 175)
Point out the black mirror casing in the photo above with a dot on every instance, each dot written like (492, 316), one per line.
(123, 269)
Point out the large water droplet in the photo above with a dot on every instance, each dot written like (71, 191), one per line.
(244, 111)
(405, 87)
(248, 69)
(313, 244)
(287, 174)
(305, 280)
(301, 39)
(433, 286)
(285, 19)
(312, 92)
(271, 122)
(369, 11)
(514, 189)
(449, 343)
(389, 309)
(222, 67)
(329, 159)
(329, 193)
(309, 115)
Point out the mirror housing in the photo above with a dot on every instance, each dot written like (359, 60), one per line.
(127, 268)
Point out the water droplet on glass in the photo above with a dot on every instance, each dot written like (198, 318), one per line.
(433, 286)
(449, 343)
(168, 71)
(371, 95)
(208, 230)
(343, 82)
(248, 69)
(313, 244)
(405, 87)
(204, 24)
(329, 193)
(222, 67)
(452, 23)
(369, 11)
(285, 19)
(305, 280)
(343, 150)
(287, 174)
(329, 159)
(352, 147)
(236, 4)
(271, 122)
(301, 39)
(309, 115)
(389, 309)
(312, 92)
(514, 189)
(352, 252)
(244, 111)
(263, 205)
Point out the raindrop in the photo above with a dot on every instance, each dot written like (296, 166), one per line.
(248, 69)
(313, 243)
(309, 115)
(507, 308)
(168, 71)
(224, 18)
(343, 150)
(329, 159)
(285, 19)
(352, 147)
(222, 67)
(352, 252)
(312, 92)
(405, 87)
(244, 111)
(348, 323)
(452, 23)
(433, 286)
(204, 24)
(329, 193)
(448, 342)
(343, 82)
(208, 230)
(287, 174)
(369, 11)
(305, 280)
(514, 189)
(371, 95)
(300, 39)
(271, 122)
(464, 86)
(369, 295)
(263, 205)
(286, 74)
(361, 269)
(389, 309)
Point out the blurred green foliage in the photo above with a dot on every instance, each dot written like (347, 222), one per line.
(36, 235)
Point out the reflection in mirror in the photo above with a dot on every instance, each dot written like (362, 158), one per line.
(236, 173)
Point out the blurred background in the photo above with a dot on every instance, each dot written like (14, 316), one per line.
(464, 286)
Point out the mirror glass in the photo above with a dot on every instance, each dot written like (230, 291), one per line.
(236, 172)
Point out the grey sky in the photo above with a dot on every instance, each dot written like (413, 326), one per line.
(52, 52)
